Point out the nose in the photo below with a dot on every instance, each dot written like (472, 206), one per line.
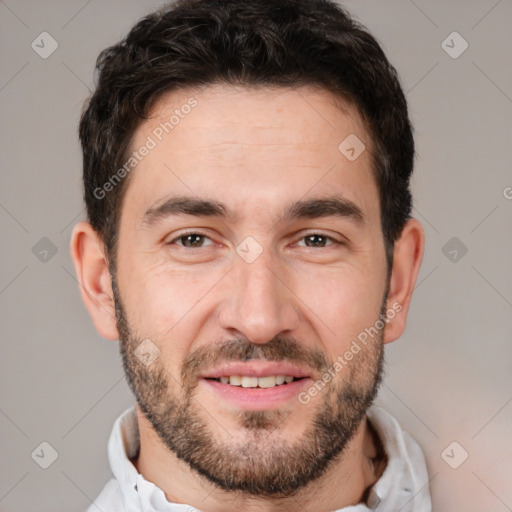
(259, 303)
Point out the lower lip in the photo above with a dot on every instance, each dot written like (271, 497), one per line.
(258, 399)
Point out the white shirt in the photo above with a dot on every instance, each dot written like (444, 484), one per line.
(403, 486)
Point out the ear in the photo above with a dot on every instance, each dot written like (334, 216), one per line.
(91, 267)
(407, 258)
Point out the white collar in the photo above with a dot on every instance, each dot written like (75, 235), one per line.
(402, 486)
(139, 494)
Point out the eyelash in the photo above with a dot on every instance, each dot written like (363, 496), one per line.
(313, 233)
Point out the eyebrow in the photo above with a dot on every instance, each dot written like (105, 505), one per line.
(315, 208)
(184, 205)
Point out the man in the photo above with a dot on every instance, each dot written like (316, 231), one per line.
(249, 242)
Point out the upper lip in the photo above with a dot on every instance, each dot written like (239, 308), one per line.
(256, 369)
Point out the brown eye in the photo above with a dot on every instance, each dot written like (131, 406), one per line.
(317, 240)
(191, 240)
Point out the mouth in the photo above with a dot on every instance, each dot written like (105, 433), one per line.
(246, 381)
(257, 385)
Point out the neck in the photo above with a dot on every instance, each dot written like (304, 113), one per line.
(346, 481)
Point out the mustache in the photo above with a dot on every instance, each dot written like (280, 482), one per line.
(241, 349)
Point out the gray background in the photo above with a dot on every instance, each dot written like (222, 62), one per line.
(450, 376)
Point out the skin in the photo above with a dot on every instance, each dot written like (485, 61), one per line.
(255, 151)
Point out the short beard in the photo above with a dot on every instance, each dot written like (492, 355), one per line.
(261, 465)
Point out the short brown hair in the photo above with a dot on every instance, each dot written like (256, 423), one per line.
(251, 42)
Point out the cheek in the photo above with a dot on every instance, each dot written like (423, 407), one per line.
(342, 302)
(161, 301)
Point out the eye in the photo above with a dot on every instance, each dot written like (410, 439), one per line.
(191, 240)
(318, 240)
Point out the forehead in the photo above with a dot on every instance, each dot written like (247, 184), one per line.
(248, 146)
(255, 116)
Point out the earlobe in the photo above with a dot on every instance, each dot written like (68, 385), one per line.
(407, 258)
(91, 267)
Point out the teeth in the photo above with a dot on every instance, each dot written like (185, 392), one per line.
(235, 381)
(267, 382)
(254, 382)
(249, 382)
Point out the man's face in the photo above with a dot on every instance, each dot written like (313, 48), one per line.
(265, 290)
